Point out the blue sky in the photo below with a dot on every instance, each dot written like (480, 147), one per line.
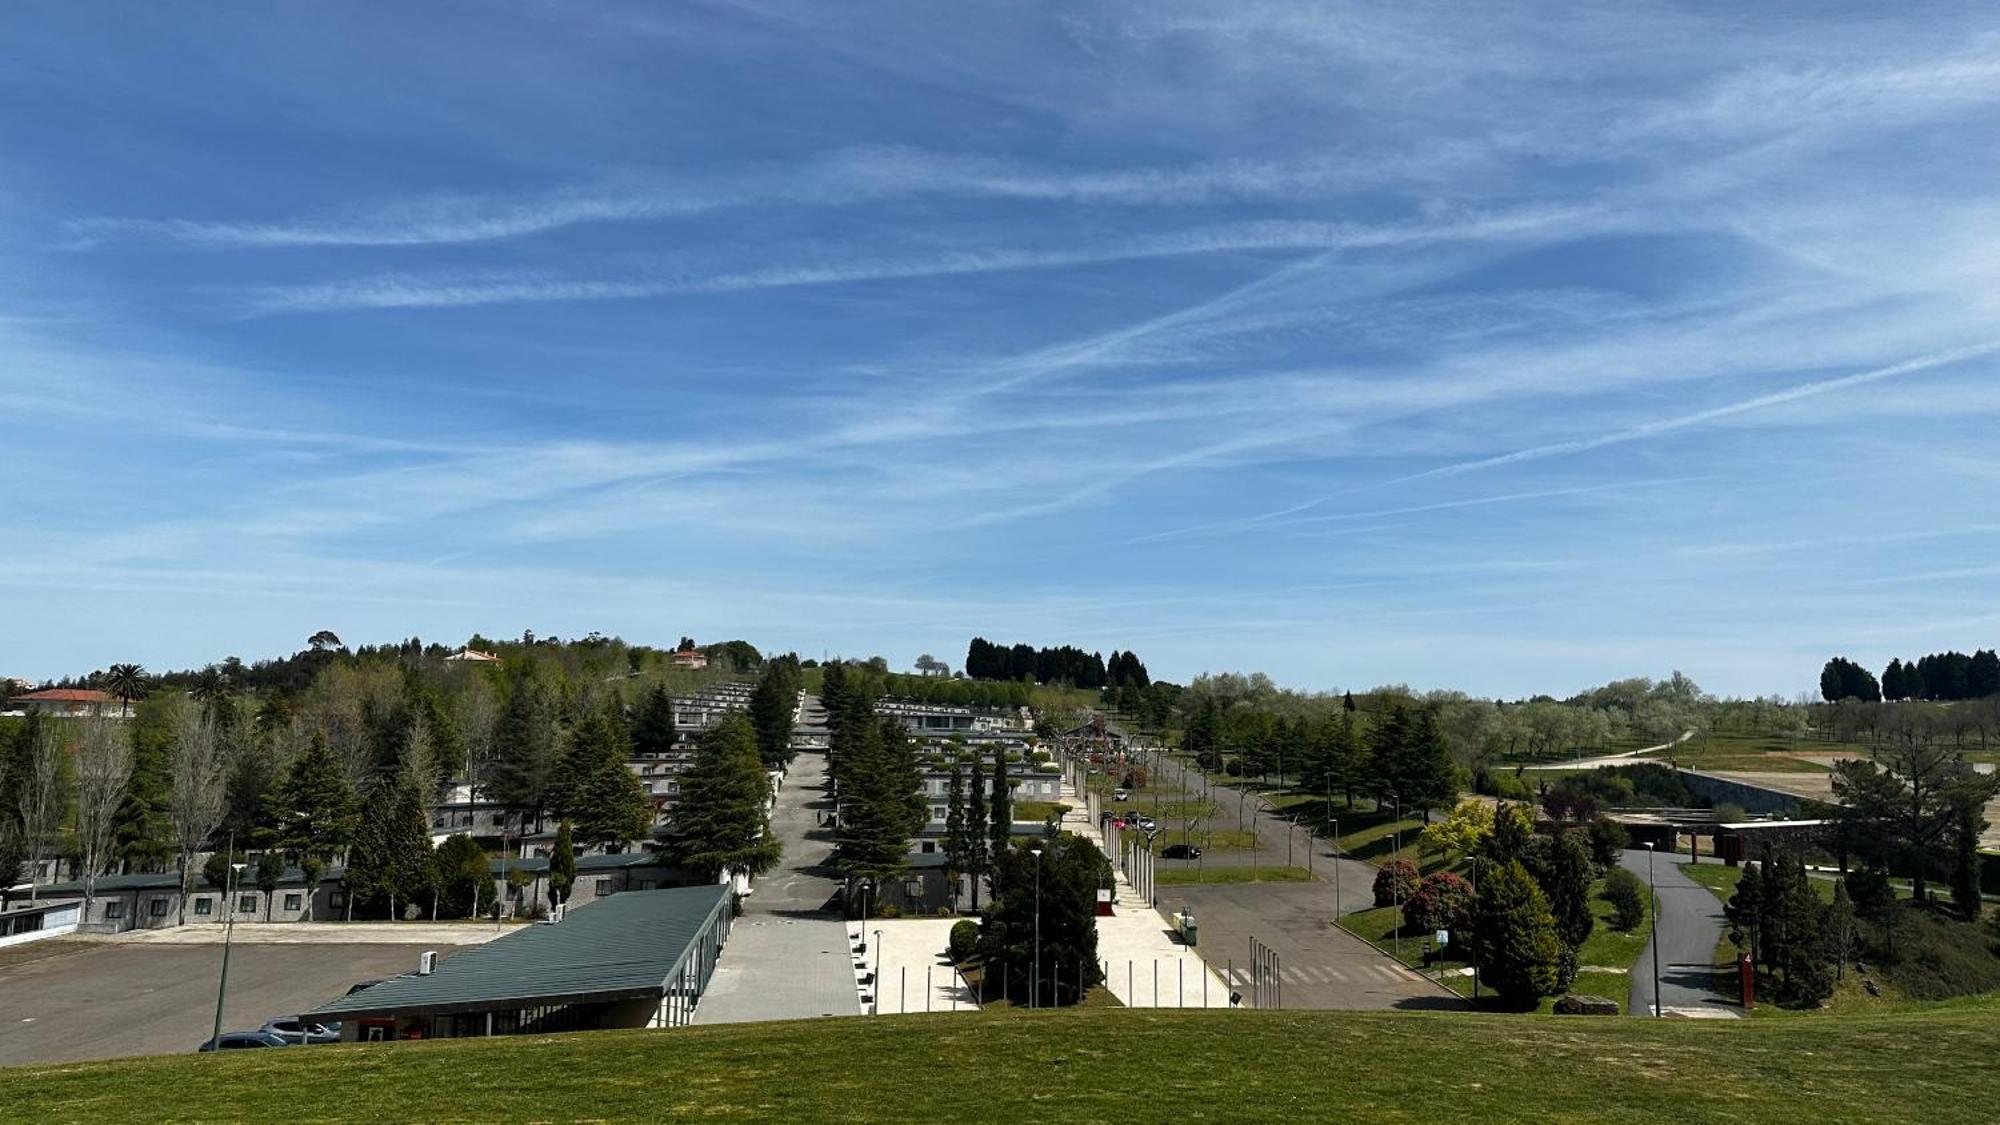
(1484, 347)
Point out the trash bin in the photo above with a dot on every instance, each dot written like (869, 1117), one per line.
(1187, 929)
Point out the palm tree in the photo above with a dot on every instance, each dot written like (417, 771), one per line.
(127, 682)
(209, 685)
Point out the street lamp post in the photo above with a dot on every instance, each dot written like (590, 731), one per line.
(878, 972)
(228, 931)
(1335, 821)
(1396, 883)
(1035, 995)
(1653, 887)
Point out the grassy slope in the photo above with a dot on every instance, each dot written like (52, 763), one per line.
(1089, 1066)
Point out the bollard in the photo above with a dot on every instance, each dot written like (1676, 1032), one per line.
(927, 988)
(1180, 982)
(1131, 997)
(903, 991)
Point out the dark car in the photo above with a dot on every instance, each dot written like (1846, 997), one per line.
(239, 1040)
(296, 1031)
(1180, 851)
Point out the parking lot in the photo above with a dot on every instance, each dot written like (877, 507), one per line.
(70, 1000)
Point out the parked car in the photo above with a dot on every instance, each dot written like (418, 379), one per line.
(296, 1031)
(1147, 824)
(239, 1040)
(1120, 795)
(1180, 851)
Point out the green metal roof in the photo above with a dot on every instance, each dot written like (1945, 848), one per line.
(624, 945)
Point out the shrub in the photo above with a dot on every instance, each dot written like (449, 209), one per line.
(1627, 896)
(1607, 839)
(1395, 881)
(964, 939)
(889, 910)
(1441, 902)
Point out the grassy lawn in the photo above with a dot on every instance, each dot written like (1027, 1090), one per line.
(1077, 1065)
(1605, 949)
(1179, 875)
(1212, 840)
(1038, 810)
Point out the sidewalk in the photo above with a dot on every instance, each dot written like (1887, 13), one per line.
(913, 971)
(1145, 965)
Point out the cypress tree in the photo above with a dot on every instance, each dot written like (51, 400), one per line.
(978, 854)
(1569, 889)
(1001, 808)
(1519, 951)
(956, 843)
(595, 789)
(562, 863)
(526, 746)
(720, 824)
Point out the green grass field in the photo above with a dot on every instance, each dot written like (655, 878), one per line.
(1929, 1063)
(1177, 875)
(1038, 810)
(1209, 840)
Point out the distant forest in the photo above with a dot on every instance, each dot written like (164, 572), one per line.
(1942, 676)
(985, 660)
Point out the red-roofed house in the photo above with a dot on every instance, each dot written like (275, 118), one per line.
(692, 658)
(68, 702)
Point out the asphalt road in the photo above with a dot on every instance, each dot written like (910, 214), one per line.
(1320, 964)
(787, 956)
(1690, 923)
(82, 1000)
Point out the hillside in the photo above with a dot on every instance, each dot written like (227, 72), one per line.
(1931, 1062)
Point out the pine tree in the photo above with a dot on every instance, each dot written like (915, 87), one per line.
(720, 824)
(772, 706)
(1745, 911)
(321, 814)
(143, 828)
(593, 787)
(391, 856)
(653, 722)
(1518, 950)
(1569, 889)
(1512, 831)
(526, 746)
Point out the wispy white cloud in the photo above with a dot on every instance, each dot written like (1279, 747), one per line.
(1661, 426)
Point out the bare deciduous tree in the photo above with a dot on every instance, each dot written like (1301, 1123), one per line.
(195, 795)
(39, 808)
(103, 769)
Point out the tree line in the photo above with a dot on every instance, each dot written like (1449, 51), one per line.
(1946, 677)
(345, 769)
(985, 660)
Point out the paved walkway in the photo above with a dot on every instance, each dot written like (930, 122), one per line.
(909, 953)
(788, 956)
(1145, 964)
(1691, 922)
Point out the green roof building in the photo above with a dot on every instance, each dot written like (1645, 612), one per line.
(636, 959)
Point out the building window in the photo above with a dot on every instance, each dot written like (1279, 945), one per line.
(159, 908)
(294, 901)
(204, 904)
(114, 908)
(335, 900)
(246, 904)
(603, 887)
(929, 847)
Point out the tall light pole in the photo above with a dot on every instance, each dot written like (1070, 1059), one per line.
(1653, 887)
(1336, 856)
(1035, 995)
(228, 930)
(879, 981)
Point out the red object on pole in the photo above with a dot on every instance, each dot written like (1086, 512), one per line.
(1747, 973)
